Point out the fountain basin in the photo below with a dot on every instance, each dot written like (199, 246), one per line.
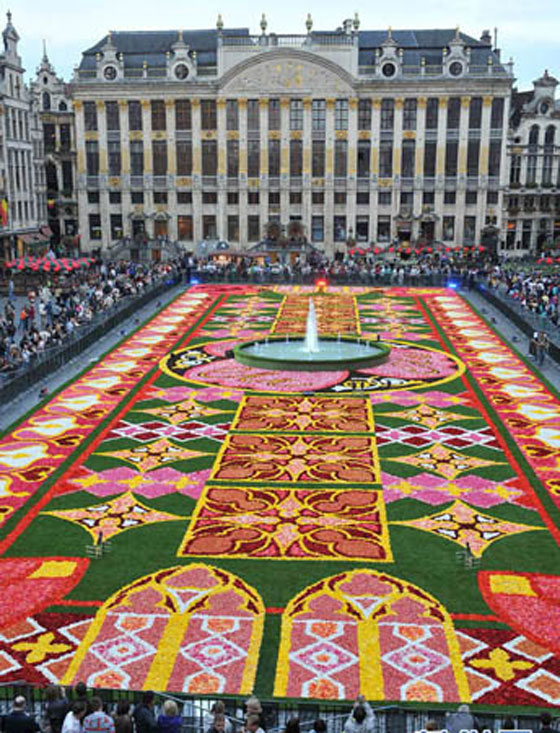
(334, 353)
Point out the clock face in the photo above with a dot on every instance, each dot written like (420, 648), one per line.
(388, 70)
(181, 71)
(110, 73)
(456, 68)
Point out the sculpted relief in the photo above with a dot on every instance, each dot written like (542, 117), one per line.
(286, 75)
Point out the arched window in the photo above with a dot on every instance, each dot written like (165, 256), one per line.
(46, 100)
(190, 628)
(534, 135)
(548, 155)
(367, 632)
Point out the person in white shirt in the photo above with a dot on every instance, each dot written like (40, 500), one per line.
(361, 719)
(73, 720)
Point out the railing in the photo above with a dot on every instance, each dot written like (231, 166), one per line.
(46, 363)
(276, 713)
(289, 40)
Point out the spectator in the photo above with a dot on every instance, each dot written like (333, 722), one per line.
(361, 719)
(292, 726)
(252, 724)
(461, 720)
(170, 721)
(18, 721)
(73, 720)
(546, 723)
(123, 721)
(98, 721)
(218, 724)
(143, 715)
(81, 694)
(253, 707)
(56, 708)
(319, 726)
(218, 709)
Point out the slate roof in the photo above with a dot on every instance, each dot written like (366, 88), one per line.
(151, 46)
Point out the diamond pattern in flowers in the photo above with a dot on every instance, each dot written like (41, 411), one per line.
(444, 461)
(183, 622)
(38, 649)
(156, 483)
(429, 416)
(324, 458)
(113, 517)
(148, 431)
(283, 523)
(153, 455)
(453, 436)
(437, 490)
(467, 527)
(308, 413)
(181, 412)
(508, 668)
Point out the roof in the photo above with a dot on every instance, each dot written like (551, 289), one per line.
(151, 46)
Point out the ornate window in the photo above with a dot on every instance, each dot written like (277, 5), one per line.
(194, 628)
(405, 635)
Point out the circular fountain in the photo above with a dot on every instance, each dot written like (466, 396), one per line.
(312, 353)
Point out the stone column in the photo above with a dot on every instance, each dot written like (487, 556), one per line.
(196, 172)
(221, 209)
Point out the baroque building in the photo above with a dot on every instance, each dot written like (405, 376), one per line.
(23, 221)
(56, 113)
(373, 136)
(532, 198)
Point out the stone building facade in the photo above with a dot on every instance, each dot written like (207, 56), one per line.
(52, 100)
(371, 136)
(532, 194)
(22, 176)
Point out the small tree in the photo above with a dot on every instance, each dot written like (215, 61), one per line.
(296, 231)
(273, 231)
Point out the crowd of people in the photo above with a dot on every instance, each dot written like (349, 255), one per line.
(536, 290)
(371, 270)
(86, 713)
(54, 311)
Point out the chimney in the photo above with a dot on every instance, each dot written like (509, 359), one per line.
(486, 38)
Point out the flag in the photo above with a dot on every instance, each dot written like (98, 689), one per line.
(4, 212)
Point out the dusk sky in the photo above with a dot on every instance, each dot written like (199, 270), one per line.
(527, 31)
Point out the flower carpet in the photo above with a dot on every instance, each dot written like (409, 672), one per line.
(392, 531)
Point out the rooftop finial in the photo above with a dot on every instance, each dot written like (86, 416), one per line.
(219, 23)
(457, 36)
(263, 23)
(9, 16)
(45, 57)
(309, 22)
(356, 22)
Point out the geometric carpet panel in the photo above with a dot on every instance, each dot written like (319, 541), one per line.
(428, 486)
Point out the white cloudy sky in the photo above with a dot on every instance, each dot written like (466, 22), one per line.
(527, 30)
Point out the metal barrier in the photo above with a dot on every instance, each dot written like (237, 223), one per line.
(525, 320)
(14, 383)
(194, 711)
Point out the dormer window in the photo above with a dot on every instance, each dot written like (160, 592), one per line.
(388, 70)
(110, 73)
(181, 71)
(456, 68)
(46, 101)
